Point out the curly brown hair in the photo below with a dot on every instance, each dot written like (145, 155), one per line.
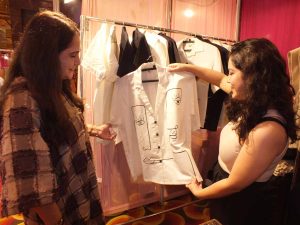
(267, 86)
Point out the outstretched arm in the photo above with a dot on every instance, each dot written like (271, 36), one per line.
(265, 142)
(211, 76)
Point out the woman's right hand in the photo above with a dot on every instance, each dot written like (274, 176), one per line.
(178, 67)
(195, 187)
(103, 131)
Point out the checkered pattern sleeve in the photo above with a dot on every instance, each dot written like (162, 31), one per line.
(27, 173)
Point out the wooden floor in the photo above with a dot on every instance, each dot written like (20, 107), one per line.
(191, 214)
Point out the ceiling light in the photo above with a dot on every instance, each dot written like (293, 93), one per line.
(188, 13)
(68, 1)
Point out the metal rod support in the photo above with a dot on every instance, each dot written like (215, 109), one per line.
(154, 28)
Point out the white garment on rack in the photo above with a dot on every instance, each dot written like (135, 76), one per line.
(158, 47)
(105, 84)
(101, 58)
(205, 55)
(96, 57)
(155, 121)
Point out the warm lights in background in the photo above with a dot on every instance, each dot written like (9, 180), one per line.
(68, 1)
(188, 13)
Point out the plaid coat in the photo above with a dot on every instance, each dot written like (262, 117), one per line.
(28, 176)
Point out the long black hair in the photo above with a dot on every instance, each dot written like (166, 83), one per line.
(37, 59)
(267, 86)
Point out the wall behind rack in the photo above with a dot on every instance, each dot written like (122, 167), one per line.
(216, 18)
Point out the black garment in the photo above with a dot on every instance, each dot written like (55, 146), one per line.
(214, 108)
(141, 49)
(261, 203)
(172, 49)
(133, 55)
(293, 215)
(126, 55)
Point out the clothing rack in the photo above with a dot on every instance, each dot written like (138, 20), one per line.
(153, 28)
(84, 26)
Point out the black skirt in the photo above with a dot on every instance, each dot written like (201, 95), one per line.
(260, 203)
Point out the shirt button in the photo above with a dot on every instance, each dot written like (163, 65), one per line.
(157, 134)
(158, 147)
(155, 122)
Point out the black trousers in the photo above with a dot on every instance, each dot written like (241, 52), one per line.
(261, 203)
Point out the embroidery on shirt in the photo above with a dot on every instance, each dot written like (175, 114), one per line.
(141, 126)
(174, 95)
(173, 133)
(149, 160)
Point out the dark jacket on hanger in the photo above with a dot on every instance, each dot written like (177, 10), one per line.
(141, 49)
(126, 55)
(215, 100)
(172, 49)
(134, 54)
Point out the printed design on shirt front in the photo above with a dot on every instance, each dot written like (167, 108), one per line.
(139, 119)
(150, 160)
(173, 131)
(141, 126)
(174, 95)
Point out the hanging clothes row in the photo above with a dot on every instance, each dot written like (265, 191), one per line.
(108, 62)
(156, 148)
(100, 65)
(104, 57)
(202, 52)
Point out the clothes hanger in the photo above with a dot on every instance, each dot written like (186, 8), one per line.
(149, 69)
(188, 40)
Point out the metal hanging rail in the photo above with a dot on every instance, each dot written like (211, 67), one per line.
(155, 28)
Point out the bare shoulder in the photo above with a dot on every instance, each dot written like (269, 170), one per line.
(268, 134)
(270, 128)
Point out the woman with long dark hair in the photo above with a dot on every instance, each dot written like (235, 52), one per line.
(47, 168)
(262, 124)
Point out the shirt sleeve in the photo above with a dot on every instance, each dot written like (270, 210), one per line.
(28, 176)
(115, 118)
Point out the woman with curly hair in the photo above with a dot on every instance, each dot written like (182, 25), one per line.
(46, 160)
(261, 126)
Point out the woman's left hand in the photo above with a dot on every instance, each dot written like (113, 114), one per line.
(195, 187)
(103, 131)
